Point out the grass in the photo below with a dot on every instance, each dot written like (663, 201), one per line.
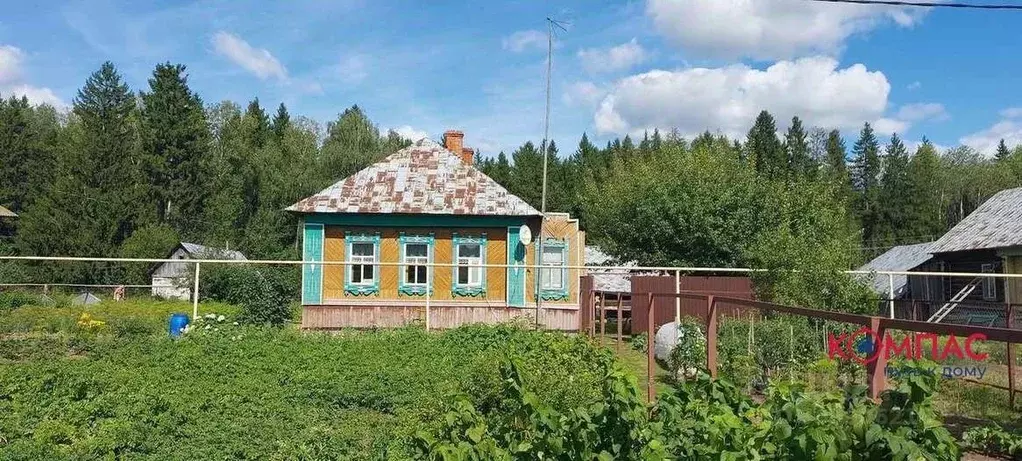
(123, 389)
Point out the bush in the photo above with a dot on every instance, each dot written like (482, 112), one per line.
(702, 419)
(10, 300)
(994, 440)
(689, 354)
(264, 294)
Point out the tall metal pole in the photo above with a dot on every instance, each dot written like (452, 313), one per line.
(195, 295)
(546, 152)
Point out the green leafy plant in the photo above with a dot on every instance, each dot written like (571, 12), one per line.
(993, 440)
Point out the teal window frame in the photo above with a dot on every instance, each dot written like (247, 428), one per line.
(415, 290)
(361, 289)
(552, 294)
(467, 290)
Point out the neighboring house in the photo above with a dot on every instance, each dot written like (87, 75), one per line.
(170, 280)
(899, 259)
(6, 216)
(428, 204)
(989, 240)
(606, 280)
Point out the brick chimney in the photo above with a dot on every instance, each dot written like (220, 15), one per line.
(454, 141)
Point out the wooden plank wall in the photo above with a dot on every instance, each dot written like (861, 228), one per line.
(734, 287)
(333, 317)
(496, 253)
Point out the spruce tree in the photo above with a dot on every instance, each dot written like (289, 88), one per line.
(526, 180)
(257, 125)
(97, 198)
(502, 170)
(865, 180)
(796, 144)
(281, 121)
(895, 202)
(764, 149)
(926, 217)
(175, 140)
(1002, 151)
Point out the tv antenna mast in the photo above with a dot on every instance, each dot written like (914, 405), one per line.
(552, 25)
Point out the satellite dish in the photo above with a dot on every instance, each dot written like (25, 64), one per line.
(525, 234)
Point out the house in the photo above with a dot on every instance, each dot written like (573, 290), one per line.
(989, 240)
(428, 204)
(5, 213)
(901, 258)
(6, 222)
(171, 280)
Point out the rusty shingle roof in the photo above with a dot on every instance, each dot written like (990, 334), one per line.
(424, 178)
(997, 223)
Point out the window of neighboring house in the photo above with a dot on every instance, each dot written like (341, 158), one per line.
(470, 260)
(416, 257)
(363, 259)
(989, 283)
(553, 279)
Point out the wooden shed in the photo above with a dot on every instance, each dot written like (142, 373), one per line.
(170, 280)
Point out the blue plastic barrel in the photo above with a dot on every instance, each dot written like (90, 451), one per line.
(177, 323)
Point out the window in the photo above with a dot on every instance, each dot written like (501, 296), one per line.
(469, 273)
(416, 258)
(363, 255)
(470, 260)
(989, 283)
(553, 279)
(362, 274)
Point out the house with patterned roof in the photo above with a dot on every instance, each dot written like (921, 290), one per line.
(370, 238)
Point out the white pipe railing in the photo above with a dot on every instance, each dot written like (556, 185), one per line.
(598, 269)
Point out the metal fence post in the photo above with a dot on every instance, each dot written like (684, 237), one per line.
(1009, 320)
(677, 305)
(195, 294)
(429, 287)
(890, 292)
(603, 316)
(650, 363)
(618, 318)
(711, 336)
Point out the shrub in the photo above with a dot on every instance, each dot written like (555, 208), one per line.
(10, 300)
(689, 354)
(264, 294)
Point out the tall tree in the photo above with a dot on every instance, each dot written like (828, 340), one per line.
(865, 179)
(257, 125)
(765, 150)
(352, 143)
(29, 139)
(796, 144)
(502, 170)
(281, 121)
(925, 192)
(1002, 151)
(526, 179)
(175, 139)
(895, 204)
(93, 205)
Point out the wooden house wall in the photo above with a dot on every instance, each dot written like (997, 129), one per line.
(1013, 289)
(496, 253)
(442, 316)
(560, 228)
(173, 270)
(969, 262)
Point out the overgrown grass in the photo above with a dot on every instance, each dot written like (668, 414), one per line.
(124, 389)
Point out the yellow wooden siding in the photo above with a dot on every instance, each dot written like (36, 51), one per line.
(1013, 292)
(496, 253)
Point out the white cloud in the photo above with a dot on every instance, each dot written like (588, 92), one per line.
(918, 112)
(258, 61)
(353, 69)
(621, 57)
(884, 125)
(12, 84)
(585, 94)
(1009, 128)
(408, 132)
(769, 29)
(914, 85)
(1012, 112)
(728, 99)
(10, 63)
(525, 39)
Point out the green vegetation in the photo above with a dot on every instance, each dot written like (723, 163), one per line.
(701, 419)
(994, 440)
(113, 385)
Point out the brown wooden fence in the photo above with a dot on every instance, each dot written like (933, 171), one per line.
(664, 301)
(734, 287)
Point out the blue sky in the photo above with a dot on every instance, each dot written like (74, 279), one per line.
(622, 67)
